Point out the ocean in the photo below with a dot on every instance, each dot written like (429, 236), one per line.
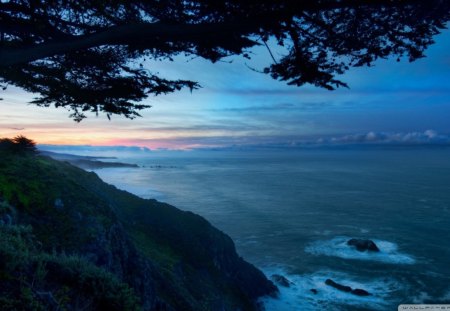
(290, 212)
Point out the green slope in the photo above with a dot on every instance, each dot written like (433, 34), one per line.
(139, 253)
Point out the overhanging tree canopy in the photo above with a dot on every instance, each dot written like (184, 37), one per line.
(86, 55)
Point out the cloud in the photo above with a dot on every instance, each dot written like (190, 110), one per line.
(426, 137)
(220, 125)
(261, 142)
(82, 149)
(274, 107)
(279, 107)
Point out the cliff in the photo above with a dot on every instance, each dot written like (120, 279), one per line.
(70, 241)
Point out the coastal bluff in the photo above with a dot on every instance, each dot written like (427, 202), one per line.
(70, 241)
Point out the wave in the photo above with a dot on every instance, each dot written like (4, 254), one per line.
(338, 247)
(300, 297)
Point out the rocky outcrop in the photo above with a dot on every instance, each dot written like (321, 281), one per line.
(360, 292)
(173, 260)
(346, 289)
(86, 162)
(338, 286)
(280, 280)
(363, 245)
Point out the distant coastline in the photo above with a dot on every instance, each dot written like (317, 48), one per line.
(86, 162)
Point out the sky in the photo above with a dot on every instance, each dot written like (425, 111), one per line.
(392, 101)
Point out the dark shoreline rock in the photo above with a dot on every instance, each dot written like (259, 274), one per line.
(363, 245)
(280, 280)
(338, 286)
(346, 289)
(360, 292)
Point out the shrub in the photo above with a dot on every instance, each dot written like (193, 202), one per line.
(18, 145)
(31, 279)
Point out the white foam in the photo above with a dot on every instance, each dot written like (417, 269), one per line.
(446, 296)
(338, 247)
(299, 296)
(421, 297)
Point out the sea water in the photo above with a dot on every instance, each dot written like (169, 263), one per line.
(291, 213)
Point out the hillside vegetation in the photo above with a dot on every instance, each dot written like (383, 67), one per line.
(69, 241)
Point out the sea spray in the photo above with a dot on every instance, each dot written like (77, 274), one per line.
(308, 292)
(338, 247)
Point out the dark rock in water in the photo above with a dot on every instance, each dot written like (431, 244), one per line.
(314, 291)
(362, 245)
(281, 280)
(338, 286)
(360, 292)
(347, 289)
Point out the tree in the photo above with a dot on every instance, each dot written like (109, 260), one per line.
(87, 55)
(24, 145)
(18, 145)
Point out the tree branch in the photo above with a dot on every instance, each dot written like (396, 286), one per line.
(117, 35)
(158, 32)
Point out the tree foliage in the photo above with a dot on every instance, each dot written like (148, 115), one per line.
(87, 55)
(18, 145)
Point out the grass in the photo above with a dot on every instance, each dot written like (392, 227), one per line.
(37, 280)
(57, 255)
